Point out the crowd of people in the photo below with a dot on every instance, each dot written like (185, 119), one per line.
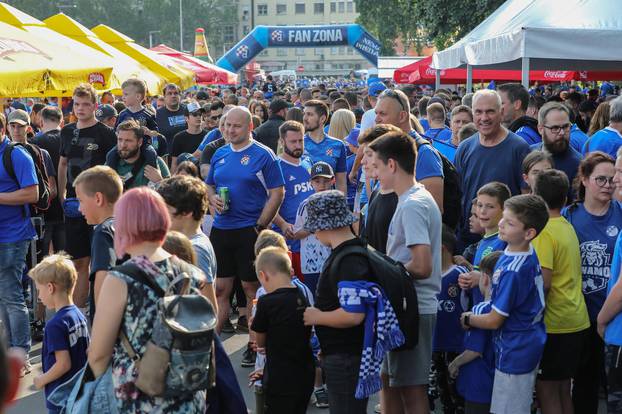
(144, 224)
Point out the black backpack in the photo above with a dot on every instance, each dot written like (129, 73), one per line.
(452, 194)
(43, 203)
(397, 283)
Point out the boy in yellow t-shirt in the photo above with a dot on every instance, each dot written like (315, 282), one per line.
(565, 314)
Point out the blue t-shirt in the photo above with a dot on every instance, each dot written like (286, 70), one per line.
(15, 224)
(248, 173)
(424, 124)
(478, 165)
(568, 162)
(429, 163)
(475, 379)
(211, 136)
(438, 134)
(597, 238)
(530, 135)
(518, 294)
(144, 117)
(578, 138)
(487, 245)
(448, 333)
(66, 331)
(613, 332)
(607, 140)
(446, 148)
(330, 150)
(352, 187)
(297, 189)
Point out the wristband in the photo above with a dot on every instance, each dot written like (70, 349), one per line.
(466, 321)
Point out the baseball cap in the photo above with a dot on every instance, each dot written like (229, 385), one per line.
(104, 112)
(202, 96)
(193, 107)
(278, 105)
(376, 89)
(322, 169)
(19, 116)
(353, 137)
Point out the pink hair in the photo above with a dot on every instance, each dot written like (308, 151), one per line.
(140, 216)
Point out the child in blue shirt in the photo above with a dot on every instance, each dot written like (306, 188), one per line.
(490, 199)
(517, 307)
(475, 367)
(66, 336)
(448, 334)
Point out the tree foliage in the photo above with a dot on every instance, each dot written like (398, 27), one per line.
(136, 18)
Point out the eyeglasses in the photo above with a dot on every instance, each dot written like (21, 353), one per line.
(76, 136)
(390, 93)
(602, 180)
(555, 129)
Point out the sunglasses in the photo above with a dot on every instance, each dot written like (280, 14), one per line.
(390, 93)
(215, 118)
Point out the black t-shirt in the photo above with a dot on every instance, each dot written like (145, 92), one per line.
(210, 149)
(352, 268)
(171, 122)
(289, 361)
(380, 211)
(103, 256)
(84, 148)
(50, 141)
(186, 142)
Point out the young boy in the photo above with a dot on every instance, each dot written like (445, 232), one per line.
(66, 336)
(134, 91)
(313, 254)
(448, 334)
(475, 367)
(565, 316)
(490, 199)
(279, 328)
(98, 189)
(517, 307)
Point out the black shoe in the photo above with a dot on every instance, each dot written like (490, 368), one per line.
(227, 327)
(248, 359)
(242, 324)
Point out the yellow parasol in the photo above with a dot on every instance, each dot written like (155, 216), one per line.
(124, 66)
(173, 73)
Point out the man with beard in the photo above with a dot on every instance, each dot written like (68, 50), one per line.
(296, 172)
(321, 147)
(132, 168)
(515, 101)
(554, 127)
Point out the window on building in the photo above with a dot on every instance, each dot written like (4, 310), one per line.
(228, 34)
(357, 66)
(300, 8)
(318, 8)
(281, 9)
(341, 7)
(245, 30)
(333, 50)
(350, 51)
(262, 10)
(318, 51)
(300, 51)
(319, 66)
(350, 7)
(333, 7)
(264, 53)
(281, 52)
(342, 50)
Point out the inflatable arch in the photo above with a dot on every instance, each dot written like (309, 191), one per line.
(263, 37)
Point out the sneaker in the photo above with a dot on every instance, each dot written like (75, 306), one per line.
(321, 398)
(377, 409)
(26, 369)
(242, 324)
(227, 327)
(249, 356)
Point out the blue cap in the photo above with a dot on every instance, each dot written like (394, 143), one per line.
(353, 137)
(376, 89)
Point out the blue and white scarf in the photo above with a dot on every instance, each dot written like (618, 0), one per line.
(381, 330)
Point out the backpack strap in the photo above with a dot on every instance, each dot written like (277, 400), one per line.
(357, 250)
(131, 270)
(7, 161)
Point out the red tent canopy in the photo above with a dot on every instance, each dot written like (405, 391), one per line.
(420, 72)
(207, 74)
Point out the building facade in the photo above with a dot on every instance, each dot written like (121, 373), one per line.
(325, 61)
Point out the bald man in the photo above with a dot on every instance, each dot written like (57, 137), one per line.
(255, 186)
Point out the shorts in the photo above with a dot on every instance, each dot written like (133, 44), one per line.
(235, 252)
(613, 367)
(412, 366)
(512, 393)
(78, 236)
(562, 355)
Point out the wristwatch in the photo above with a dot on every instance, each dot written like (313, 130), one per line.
(259, 228)
(466, 320)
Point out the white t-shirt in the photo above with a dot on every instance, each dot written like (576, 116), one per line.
(313, 254)
(417, 220)
(368, 120)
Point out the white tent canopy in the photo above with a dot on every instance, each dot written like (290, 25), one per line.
(542, 35)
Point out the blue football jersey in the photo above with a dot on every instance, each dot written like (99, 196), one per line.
(448, 333)
(487, 245)
(329, 150)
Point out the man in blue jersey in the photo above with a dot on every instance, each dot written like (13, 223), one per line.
(393, 108)
(608, 140)
(321, 147)
(296, 173)
(514, 103)
(253, 178)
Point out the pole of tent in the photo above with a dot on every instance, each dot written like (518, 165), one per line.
(469, 78)
(437, 81)
(525, 72)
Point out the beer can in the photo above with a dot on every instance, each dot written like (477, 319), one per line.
(223, 193)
